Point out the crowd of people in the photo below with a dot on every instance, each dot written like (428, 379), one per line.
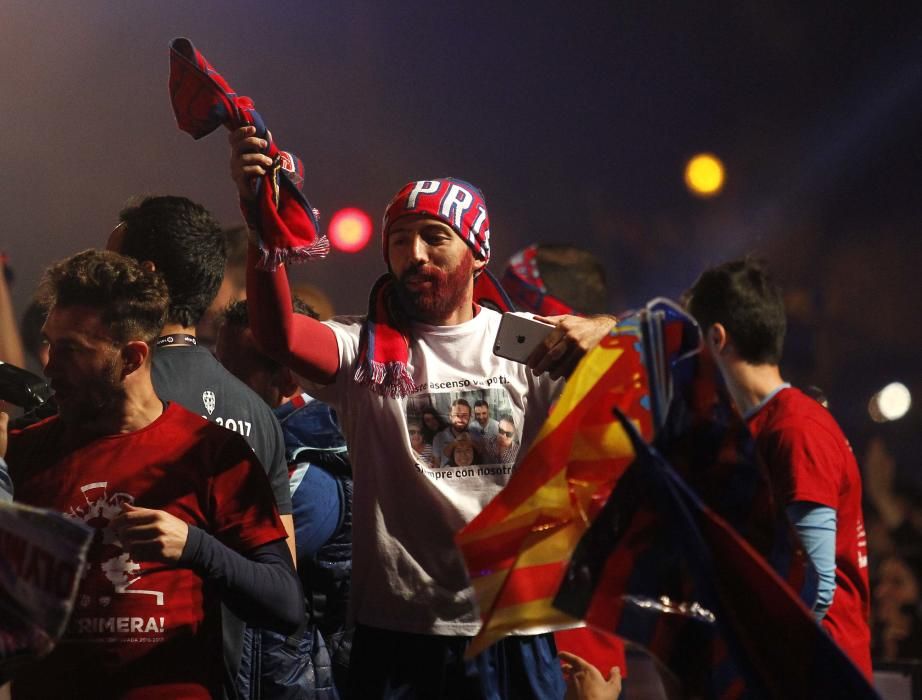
(277, 519)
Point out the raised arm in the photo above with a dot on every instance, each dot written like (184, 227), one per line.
(300, 343)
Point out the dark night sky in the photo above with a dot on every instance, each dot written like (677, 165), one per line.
(574, 118)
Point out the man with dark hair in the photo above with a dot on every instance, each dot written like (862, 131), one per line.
(233, 286)
(321, 494)
(186, 245)
(422, 339)
(742, 297)
(458, 420)
(183, 512)
(483, 426)
(182, 241)
(238, 353)
(811, 465)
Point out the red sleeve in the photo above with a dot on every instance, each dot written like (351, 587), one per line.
(242, 508)
(299, 342)
(805, 464)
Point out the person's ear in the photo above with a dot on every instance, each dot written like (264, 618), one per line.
(149, 265)
(134, 355)
(478, 265)
(717, 338)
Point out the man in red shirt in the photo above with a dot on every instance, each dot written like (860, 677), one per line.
(811, 465)
(183, 512)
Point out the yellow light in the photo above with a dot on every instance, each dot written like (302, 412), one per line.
(704, 175)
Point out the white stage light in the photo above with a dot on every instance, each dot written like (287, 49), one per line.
(890, 403)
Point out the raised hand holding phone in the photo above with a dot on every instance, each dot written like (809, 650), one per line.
(518, 336)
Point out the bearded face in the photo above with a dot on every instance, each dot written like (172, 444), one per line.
(88, 398)
(460, 417)
(85, 367)
(428, 292)
(433, 267)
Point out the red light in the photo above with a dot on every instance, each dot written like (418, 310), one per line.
(349, 230)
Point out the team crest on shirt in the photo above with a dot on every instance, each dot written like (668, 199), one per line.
(208, 400)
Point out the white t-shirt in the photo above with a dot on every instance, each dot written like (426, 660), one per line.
(407, 573)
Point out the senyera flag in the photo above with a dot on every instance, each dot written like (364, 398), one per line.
(650, 370)
(748, 632)
(517, 548)
(284, 221)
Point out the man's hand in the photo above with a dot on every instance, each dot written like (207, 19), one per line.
(4, 422)
(247, 160)
(585, 682)
(564, 347)
(151, 535)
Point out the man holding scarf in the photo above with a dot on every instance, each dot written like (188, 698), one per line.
(423, 342)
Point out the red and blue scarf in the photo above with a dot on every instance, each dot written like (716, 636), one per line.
(522, 282)
(284, 221)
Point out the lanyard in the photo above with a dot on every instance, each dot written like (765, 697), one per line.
(180, 339)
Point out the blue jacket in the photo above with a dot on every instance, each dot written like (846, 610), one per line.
(321, 495)
(312, 663)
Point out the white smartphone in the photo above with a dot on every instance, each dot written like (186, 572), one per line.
(518, 335)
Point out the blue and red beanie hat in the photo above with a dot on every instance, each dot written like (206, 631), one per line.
(457, 203)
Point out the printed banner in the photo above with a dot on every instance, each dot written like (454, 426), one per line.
(42, 559)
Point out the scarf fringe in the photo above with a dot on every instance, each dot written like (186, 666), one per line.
(389, 379)
(270, 258)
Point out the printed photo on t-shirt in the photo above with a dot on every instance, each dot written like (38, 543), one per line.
(463, 429)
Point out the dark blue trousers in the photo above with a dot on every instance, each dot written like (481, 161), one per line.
(387, 664)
